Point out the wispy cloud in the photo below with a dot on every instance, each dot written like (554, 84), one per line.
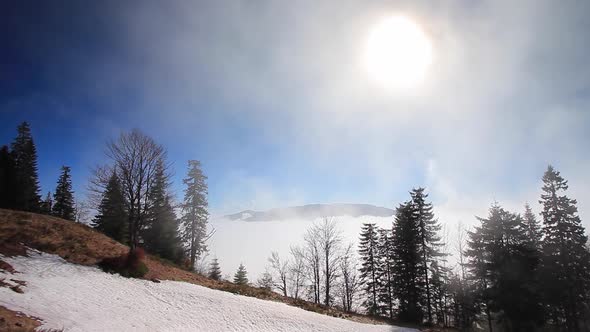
(275, 99)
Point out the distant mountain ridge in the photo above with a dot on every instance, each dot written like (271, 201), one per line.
(312, 211)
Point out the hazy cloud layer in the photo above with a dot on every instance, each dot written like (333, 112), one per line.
(506, 95)
(274, 99)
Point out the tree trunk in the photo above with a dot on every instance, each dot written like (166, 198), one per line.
(489, 318)
(193, 249)
(284, 285)
(327, 299)
(424, 257)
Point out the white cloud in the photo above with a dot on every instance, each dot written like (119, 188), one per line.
(507, 94)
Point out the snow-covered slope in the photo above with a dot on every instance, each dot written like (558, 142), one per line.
(82, 298)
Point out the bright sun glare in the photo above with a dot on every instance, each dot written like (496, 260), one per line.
(398, 53)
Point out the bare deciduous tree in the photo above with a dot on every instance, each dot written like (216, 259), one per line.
(460, 248)
(281, 269)
(350, 281)
(98, 184)
(312, 254)
(323, 246)
(135, 158)
(82, 211)
(331, 246)
(297, 271)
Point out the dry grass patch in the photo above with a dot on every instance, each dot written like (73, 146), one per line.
(17, 321)
(6, 267)
(76, 243)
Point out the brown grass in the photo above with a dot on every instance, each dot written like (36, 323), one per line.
(80, 244)
(16, 321)
(6, 267)
(76, 243)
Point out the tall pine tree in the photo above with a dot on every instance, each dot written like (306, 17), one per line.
(47, 204)
(112, 215)
(430, 241)
(439, 280)
(7, 179)
(369, 271)
(478, 265)
(63, 206)
(386, 260)
(532, 227)
(161, 236)
(566, 263)
(194, 211)
(408, 285)
(24, 156)
(501, 255)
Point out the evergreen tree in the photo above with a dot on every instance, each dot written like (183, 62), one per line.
(112, 215)
(63, 207)
(24, 156)
(510, 269)
(161, 236)
(7, 179)
(194, 209)
(386, 260)
(462, 301)
(439, 287)
(47, 204)
(265, 281)
(532, 227)
(369, 271)
(430, 241)
(241, 276)
(214, 270)
(477, 264)
(408, 281)
(566, 263)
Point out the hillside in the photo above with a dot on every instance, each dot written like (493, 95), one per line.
(72, 297)
(84, 247)
(312, 211)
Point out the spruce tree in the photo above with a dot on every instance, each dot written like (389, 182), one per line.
(386, 261)
(369, 271)
(438, 286)
(63, 206)
(7, 179)
(161, 236)
(194, 211)
(47, 204)
(241, 276)
(477, 265)
(430, 241)
(566, 263)
(509, 269)
(214, 270)
(408, 281)
(266, 281)
(532, 227)
(112, 215)
(463, 301)
(24, 156)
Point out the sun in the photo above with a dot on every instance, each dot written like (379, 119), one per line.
(398, 53)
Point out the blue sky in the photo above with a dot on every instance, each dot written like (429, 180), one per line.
(273, 100)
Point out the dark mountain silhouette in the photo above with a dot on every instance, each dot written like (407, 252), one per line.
(312, 211)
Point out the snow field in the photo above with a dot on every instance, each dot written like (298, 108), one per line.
(83, 298)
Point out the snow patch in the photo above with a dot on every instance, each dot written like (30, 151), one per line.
(83, 298)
